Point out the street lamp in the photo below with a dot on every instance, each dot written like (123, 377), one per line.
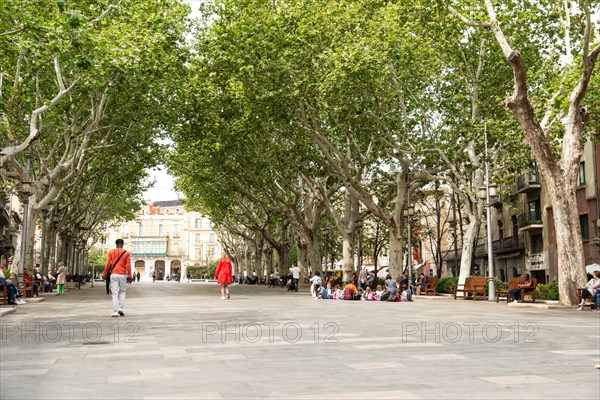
(485, 193)
(326, 232)
(55, 218)
(25, 192)
(408, 212)
(359, 224)
(43, 261)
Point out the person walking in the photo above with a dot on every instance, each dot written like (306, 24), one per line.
(223, 275)
(296, 277)
(138, 276)
(118, 270)
(61, 278)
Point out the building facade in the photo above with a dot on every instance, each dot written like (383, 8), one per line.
(164, 239)
(524, 238)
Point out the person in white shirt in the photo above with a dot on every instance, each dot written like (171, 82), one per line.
(315, 285)
(296, 276)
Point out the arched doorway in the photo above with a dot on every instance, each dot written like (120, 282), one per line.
(176, 267)
(140, 267)
(159, 267)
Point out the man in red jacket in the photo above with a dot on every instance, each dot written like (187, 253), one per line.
(118, 266)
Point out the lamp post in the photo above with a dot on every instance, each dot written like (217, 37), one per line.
(43, 260)
(359, 224)
(326, 232)
(408, 212)
(26, 192)
(485, 193)
(55, 218)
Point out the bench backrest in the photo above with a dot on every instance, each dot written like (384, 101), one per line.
(431, 282)
(475, 281)
(515, 282)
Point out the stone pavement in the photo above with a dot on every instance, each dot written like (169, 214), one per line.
(180, 341)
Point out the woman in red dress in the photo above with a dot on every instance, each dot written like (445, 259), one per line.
(223, 275)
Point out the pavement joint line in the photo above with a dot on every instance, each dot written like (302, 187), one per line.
(233, 370)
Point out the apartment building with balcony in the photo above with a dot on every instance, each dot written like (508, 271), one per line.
(165, 239)
(524, 238)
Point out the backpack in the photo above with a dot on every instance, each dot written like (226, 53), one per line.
(348, 294)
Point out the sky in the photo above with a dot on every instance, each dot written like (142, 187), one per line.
(163, 187)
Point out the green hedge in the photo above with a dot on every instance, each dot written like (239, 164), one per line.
(547, 291)
(446, 285)
(202, 272)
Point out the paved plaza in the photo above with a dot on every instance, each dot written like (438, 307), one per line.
(180, 341)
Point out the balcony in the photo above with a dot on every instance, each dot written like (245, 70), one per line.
(506, 244)
(534, 262)
(529, 183)
(531, 220)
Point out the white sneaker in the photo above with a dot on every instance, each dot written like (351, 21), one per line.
(115, 315)
(20, 302)
(580, 308)
(222, 297)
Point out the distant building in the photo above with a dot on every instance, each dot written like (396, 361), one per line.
(165, 239)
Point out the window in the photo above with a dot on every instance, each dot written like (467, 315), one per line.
(198, 223)
(140, 229)
(213, 238)
(103, 240)
(198, 239)
(177, 211)
(537, 244)
(176, 230)
(582, 173)
(585, 227)
(197, 253)
(160, 229)
(125, 230)
(167, 211)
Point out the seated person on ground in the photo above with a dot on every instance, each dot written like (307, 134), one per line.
(379, 292)
(403, 282)
(515, 293)
(326, 292)
(351, 292)
(391, 292)
(368, 295)
(338, 293)
(591, 288)
(315, 284)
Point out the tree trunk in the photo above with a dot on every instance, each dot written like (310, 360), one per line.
(396, 252)
(467, 248)
(313, 254)
(347, 255)
(302, 257)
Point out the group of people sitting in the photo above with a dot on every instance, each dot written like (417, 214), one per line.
(36, 281)
(392, 290)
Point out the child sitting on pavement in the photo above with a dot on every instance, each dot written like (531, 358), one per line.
(338, 294)
(326, 293)
(368, 294)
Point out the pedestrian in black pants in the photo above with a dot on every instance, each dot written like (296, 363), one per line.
(107, 286)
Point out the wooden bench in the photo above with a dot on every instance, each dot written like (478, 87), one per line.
(26, 288)
(591, 304)
(473, 285)
(3, 293)
(430, 287)
(514, 283)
